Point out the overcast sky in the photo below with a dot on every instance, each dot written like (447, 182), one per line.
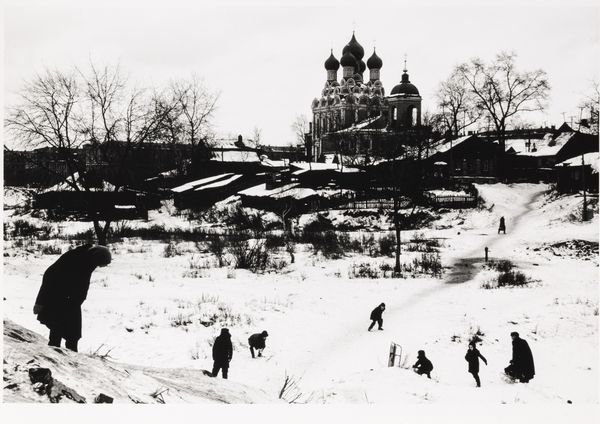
(267, 58)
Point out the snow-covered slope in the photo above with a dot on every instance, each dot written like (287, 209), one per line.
(83, 377)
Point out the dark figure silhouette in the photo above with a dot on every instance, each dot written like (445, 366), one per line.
(222, 353)
(64, 288)
(376, 317)
(502, 226)
(423, 365)
(521, 366)
(472, 357)
(257, 341)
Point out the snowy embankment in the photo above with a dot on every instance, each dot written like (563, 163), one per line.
(82, 378)
(155, 310)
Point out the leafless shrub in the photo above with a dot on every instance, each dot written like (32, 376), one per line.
(290, 391)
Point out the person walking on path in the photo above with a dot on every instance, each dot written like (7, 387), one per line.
(472, 357)
(376, 317)
(502, 226)
(257, 341)
(423, 365)
(64, 289)
(222, 352)
(521, 366)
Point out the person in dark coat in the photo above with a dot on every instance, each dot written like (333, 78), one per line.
(64, 288)
(222, 352)
(521, 366)
(423, 365)
(257, 341)
(472, 357)
(376, 317)
(502, 226)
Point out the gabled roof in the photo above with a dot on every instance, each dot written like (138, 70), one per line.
(444, 145)
(67, 185)
(592, 159)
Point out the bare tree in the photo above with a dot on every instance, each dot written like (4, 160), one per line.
(65, 110)
(457, 103)
(592, 103)
(300, 127)
(502, 92)
(255, 137)
(190, 121)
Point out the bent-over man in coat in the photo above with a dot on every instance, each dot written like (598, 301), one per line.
(64, 288)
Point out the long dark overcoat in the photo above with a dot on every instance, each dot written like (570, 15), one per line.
(522, 360)
(64, 288)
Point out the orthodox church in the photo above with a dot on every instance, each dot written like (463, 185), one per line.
(354, 115)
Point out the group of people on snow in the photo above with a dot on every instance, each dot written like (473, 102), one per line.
(521, 366)
(66, 282)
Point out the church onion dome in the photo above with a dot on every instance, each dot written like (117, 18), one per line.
(323, 101)
(405, 87)
(374, 61)
(332, 64)
(315, 103)
(355, 48)
(348, 59)
(330, 100)
(364, 99)
(350, 99)
(361, 66)
(335, 84)
(345, 89)
(336, 99)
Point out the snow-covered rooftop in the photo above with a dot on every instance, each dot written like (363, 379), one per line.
(443, 145)
(67, 185)
(235, 156)
(220, 183)
(287, 190)
(592, 159)
(193, 184)
(547, 146)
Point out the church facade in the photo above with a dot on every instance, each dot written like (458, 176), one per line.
(353, 115)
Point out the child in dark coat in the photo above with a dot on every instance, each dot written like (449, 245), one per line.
(423, 365)
(257, 341)
(472, 357)
(376, 317)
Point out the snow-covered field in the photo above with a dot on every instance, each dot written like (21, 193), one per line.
(151, 310)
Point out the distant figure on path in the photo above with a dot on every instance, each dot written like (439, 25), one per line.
(64, 288)
(521, 366)
(257, 341)
(376, 317)
(222, 353)
(502, 226)
(472, 357)
(423, 365)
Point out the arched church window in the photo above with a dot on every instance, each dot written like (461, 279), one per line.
(413, 117)
(395, 113)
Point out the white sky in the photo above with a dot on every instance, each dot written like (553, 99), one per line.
(267, 57)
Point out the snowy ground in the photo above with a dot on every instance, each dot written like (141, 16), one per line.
(147, 310)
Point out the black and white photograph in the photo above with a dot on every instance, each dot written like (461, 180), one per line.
(303, 205)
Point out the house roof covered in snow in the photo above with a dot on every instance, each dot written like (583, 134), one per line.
(220, 183)
(287, 190)
(67, 185)
(592, 159)
(376, 123)
(444, 145)
(244, 156)
(197, 183)
(547, 146)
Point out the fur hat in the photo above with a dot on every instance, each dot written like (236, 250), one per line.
(265, 334)
(100, 255)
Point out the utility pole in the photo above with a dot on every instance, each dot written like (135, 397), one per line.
(584, 213)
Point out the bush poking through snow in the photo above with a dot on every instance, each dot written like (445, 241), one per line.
(217, 246)
(363, 270)
(427, 263)
(171, 250)
(249, 254)
(503, 265)
(387, 245)
(290, 391)
(512, 278)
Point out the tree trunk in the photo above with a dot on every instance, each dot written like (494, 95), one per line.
(397, 228)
